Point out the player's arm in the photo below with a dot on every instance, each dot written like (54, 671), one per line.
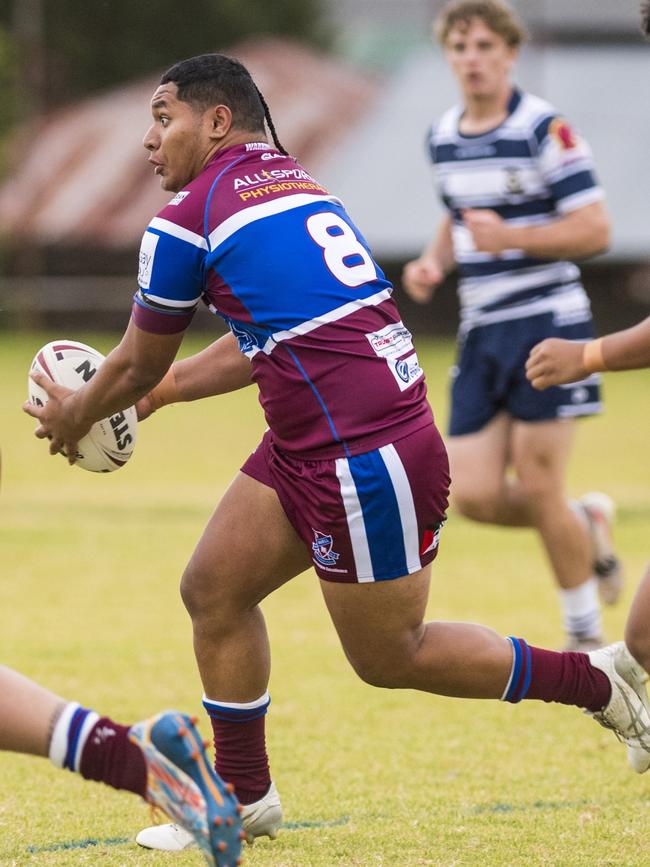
(218, 369)
(575, 235)
(129, 372)
(421, 276)
(555, 361)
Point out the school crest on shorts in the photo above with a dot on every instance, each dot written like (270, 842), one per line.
(322, 548)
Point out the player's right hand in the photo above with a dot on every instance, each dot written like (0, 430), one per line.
(555, 361)
(420, 278)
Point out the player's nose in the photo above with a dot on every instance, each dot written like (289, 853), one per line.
(149, 140)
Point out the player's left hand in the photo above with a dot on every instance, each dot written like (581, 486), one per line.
(488, 230)
(56, 418)
(555, 361)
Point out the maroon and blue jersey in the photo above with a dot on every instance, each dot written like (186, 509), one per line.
(259, 241)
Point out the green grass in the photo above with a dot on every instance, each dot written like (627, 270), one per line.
(89, 607)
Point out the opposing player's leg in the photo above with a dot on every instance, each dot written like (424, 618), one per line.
(161, 759)
(540, 453)
(381, 628)
(247, 550)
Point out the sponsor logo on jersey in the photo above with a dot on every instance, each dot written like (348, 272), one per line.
(257, 146)
(406, 371)
(474, 151)
(256, 178)
(178, 198)
(391, 341)
(563, 134)
(272, 156)
(145, 261)
(322, 548)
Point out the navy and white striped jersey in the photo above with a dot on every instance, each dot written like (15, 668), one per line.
(531, 170)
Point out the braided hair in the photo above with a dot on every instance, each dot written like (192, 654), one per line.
(208, 79)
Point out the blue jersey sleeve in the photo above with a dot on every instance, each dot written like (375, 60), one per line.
(170, 276)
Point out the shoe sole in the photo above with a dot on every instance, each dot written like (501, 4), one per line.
(181, 782)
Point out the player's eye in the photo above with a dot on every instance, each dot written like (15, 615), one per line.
(164, 120)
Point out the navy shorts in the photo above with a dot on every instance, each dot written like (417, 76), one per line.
(490, 376)
(369, 517)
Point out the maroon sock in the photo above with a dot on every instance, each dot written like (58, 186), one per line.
(567, 678)
(109, 757)
(240, 756)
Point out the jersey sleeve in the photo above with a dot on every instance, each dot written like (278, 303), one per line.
(567, 165)
(170, 277)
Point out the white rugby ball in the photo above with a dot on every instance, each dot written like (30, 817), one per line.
(110, 442)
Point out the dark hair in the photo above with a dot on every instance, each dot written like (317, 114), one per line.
(645, 19)
(212, 79)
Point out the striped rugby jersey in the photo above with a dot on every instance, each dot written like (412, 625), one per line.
(531, 170)
(277, 257)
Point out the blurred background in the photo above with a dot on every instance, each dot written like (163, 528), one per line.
(353, 86)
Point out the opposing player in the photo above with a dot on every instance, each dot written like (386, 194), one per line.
(519, 187)
(351, 477)
(162, 759)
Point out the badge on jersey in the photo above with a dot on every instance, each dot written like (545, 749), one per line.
(563, 134)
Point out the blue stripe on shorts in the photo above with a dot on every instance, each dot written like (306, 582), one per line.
(380, 515)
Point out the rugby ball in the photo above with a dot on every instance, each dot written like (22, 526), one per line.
(110, 442)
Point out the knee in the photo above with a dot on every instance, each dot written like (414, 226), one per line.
(204, 594)
(479, 505)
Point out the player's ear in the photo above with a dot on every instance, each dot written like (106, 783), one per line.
(220, 120)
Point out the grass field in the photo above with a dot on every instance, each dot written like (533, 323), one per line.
(89, 607)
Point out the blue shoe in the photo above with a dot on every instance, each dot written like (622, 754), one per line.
(182, 783)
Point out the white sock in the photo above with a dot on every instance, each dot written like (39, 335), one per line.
(581, 609)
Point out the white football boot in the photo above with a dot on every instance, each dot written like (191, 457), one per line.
(636, 676)
(628, 712)
(599, 511)
(262, 818)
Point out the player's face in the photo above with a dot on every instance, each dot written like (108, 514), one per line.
(480, 59)
(178, 140)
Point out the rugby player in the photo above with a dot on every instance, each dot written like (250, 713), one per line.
(162, 759)
(519, 187)
(352, 475)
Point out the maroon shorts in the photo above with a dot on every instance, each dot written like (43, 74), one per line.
(368, 517)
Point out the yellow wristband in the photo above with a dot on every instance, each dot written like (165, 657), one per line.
(165, 392)
(592, 356)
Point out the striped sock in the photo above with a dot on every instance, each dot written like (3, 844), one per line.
(546, 675)
(98, 749)
(70, 735)
(240, 745)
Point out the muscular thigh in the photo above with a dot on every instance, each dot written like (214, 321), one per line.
(248, 547)
(379, 623)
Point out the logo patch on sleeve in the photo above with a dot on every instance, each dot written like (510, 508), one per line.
(178, 198)
(145, 263)
(563, 134)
